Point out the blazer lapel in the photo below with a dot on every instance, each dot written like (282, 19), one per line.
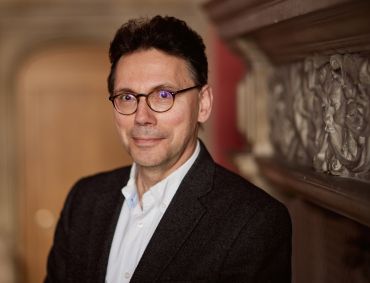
(106, 214)
(178, 222)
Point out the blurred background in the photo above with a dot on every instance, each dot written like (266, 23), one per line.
(56, 121)
(291, 81)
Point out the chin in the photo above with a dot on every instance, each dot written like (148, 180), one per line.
(147, 159)
(148, 163)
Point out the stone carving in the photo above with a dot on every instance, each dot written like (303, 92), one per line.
(320, 113)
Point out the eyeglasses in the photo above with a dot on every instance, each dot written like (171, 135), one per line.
(159, 100)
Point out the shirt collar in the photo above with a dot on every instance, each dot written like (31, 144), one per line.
(129, 191)
(163, 191)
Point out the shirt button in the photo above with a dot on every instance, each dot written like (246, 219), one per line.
(140, 224)
(127, 275)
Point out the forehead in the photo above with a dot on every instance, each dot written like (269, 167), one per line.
(152, 67)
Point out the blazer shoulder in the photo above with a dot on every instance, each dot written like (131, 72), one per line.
(103, 181)
(90, 190)
(246, 195)
(108, 175)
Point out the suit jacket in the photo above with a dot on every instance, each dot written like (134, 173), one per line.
(218, 228)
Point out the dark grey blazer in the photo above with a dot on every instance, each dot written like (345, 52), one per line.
(218, 228)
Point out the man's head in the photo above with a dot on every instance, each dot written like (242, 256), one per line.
(168, 34)
(158, 85)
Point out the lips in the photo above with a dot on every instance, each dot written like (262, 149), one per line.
(146, 141)
(146, 136)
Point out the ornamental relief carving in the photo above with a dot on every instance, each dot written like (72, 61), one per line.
(320, 113)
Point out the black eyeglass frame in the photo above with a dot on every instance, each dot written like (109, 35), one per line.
(138, 95)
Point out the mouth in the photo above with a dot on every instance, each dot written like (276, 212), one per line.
(146, 141)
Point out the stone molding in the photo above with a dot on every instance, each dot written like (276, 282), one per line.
(320, 112)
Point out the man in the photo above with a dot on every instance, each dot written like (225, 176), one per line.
(174, 215)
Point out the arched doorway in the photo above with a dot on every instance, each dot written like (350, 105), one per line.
(65, 131)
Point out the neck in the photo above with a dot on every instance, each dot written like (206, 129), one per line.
(147, 177)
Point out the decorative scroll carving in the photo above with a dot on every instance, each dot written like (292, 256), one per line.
(320, 113)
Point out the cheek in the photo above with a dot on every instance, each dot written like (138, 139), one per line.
(176, 120)
(117, 121)
(122, 124)
(182, 123)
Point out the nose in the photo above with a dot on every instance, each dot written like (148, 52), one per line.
(144, 115)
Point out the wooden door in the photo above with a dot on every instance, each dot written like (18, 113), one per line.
(65, 131)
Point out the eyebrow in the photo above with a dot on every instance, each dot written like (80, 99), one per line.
(123, 90)
(129, 90)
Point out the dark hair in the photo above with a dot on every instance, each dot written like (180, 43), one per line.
(167, 34)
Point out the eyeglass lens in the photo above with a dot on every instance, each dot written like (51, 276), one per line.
(158, 101)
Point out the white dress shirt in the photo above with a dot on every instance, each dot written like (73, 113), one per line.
(137, 224)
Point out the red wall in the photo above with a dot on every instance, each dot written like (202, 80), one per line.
(228, 71)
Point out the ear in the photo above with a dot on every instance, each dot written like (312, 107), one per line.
(205, 103)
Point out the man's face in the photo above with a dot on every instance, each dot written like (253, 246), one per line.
(160, 140)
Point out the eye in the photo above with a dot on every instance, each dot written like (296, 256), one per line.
(127, 97)
(165, 94)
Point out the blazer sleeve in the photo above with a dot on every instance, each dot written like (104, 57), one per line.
(57, 260)
(262, 250)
